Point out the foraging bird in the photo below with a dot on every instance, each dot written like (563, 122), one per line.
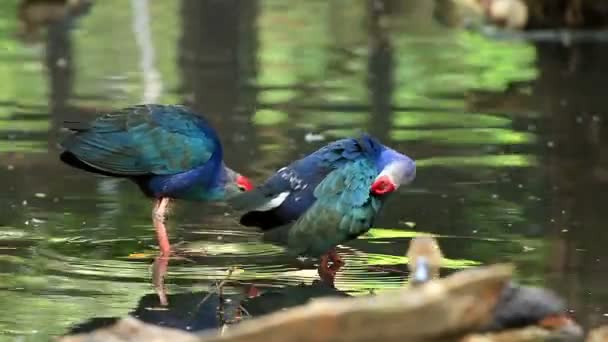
(424, 259)
(326, 198)
(167, 150)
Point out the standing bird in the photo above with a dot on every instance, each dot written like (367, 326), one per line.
(326, 198)
(167, 150)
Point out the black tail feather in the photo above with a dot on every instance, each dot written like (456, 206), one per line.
(76, 125)
(263, 219)
(72, 160)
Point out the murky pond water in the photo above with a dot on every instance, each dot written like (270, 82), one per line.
(509, 137)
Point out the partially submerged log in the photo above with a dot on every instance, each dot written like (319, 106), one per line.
(442, 310)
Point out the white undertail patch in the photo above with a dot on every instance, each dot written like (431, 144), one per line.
(273, 203)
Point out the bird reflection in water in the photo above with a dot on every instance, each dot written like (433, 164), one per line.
(227, 303)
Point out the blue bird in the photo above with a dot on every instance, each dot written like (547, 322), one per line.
(326, 198)
(167, 150)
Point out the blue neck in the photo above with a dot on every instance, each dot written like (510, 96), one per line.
(205, 183)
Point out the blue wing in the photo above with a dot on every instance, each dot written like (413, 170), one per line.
(298, 181)
(144, 140)
(342, 211)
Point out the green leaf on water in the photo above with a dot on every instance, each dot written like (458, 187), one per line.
(391, 233)
(385, 259)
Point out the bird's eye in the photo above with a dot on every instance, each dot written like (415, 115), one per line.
(241, 188)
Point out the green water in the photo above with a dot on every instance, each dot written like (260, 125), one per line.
(509, 138)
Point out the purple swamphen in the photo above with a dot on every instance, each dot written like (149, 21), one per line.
(326, 198)
(167, 150)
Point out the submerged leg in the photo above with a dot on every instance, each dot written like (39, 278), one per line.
(158, 217)
(159, 271)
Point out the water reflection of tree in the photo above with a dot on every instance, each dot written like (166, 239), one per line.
(571, 183)
(381, 69)
(58, 18)
(217, 58)
(571, 93)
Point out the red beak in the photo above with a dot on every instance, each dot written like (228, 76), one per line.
(383, 185)
(244, 182)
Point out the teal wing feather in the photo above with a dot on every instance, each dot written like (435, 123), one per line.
(146, 139)
(343, 210)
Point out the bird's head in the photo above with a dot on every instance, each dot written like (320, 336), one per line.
(236, 183)
(424, 259)
(396, 169)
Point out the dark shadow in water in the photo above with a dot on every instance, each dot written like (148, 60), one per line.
(183, 312)
(198, 311)
(59, 55)
(570, 94)
(571, 90)
(52, 21)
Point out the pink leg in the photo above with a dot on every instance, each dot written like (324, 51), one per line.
(159, 271)
(158, 217)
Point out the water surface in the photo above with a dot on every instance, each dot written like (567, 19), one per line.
(508, 136)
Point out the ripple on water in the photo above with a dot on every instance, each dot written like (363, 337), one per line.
(80, 281)
(217, 250)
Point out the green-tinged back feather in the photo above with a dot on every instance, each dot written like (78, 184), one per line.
(343, 210)
(146, 139)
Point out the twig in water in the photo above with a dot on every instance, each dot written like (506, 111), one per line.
(244, 310)
(217, 287)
